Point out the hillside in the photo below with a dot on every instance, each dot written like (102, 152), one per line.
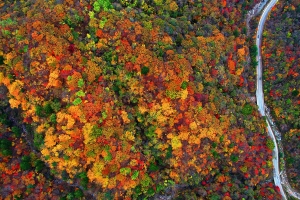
(130, 100)
(281, 57)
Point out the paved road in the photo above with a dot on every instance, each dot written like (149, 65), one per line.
(259, 87)
(279, 181)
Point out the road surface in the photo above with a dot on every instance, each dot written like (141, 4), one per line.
(259, 87)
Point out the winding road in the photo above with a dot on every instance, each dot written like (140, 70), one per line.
(279, 181)
(259, 87)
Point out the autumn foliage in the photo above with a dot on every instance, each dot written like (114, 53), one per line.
(127, 105)
(281, 59)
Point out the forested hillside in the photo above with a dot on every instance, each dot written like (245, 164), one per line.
(130, 100)
(281, 57)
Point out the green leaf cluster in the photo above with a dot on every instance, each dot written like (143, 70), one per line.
(184, 85)
(247, 109)
(77, 101)
(80, 93)
(135, 175)
(7, 22)
(125, 171)
(80, 83)
(105, 4)
(270, 144)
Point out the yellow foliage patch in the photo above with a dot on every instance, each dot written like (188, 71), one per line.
(158, 131)
(173, 6)
(50, 140)
(14, 103)
(174, 176)
(193, 126)
(129, 135)
(87, 130)
(40, 128)
(1, 77)
(184, 135)
(124, 116)
(95, 174)
(64, 138)
(176, 143)
(53, 79)
(184, 94)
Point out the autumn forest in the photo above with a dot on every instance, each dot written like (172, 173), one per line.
(142, 99)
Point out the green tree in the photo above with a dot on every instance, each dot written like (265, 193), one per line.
(25, 163)
(270, 144)
(38, 140)
(247, 109)
(105, 4)
(234, 158)
(39, 165)
(16, 130)
(5, 147)
(145, 70)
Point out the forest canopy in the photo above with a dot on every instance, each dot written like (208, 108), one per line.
(130, 100)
